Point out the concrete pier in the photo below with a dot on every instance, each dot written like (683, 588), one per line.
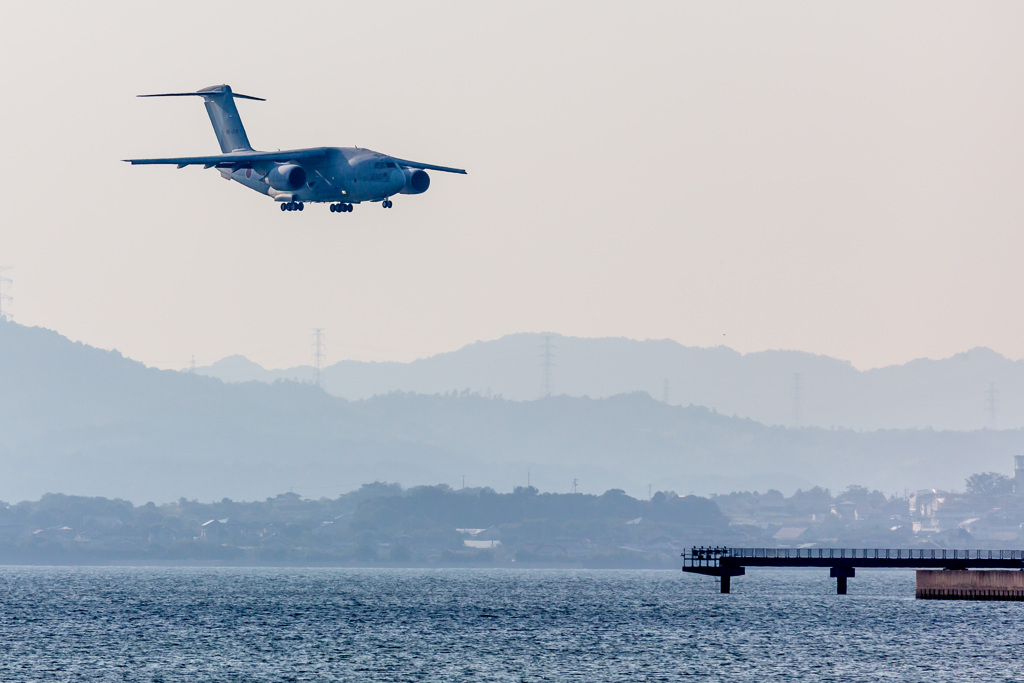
(975, 584)
(952, 581)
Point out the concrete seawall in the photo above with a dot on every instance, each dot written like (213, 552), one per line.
(974, 584)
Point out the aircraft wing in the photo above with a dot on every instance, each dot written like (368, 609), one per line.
(429, 167)
(236, 159)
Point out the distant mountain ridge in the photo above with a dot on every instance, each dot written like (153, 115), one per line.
(789, 388)
(82, 421)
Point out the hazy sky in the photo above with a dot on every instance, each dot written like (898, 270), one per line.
(840, 178)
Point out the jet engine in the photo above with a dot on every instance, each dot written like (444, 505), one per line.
(416, 181)
(286, 177)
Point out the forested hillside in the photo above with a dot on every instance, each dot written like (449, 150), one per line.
(78, 420)
(971, 390)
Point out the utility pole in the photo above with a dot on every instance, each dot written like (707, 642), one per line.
(4, 282)
(318, 356)
(574, 488)
(548, 357)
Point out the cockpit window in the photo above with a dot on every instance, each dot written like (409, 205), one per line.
(392, 164)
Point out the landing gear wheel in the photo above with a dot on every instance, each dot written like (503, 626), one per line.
(386, 203)
(301, 206)
(284, 207)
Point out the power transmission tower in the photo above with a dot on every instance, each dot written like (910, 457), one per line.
(990, 404)
(797, 378)
(4, 281)
(574, 488)
(548, 357)
(318, 356)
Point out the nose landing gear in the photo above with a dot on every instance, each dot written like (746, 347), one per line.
(387, 203)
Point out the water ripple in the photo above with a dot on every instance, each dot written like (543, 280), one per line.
(128, 624)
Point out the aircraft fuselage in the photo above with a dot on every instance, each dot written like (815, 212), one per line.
(342, 174)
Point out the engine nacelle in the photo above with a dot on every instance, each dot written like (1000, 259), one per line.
(416, 181)
(286, 177)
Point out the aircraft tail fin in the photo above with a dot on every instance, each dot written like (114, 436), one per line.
(220, 105)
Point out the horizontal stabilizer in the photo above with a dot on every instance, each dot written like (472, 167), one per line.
(212, 91)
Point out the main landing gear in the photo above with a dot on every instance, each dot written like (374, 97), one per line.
(293, 206)
(341, 208)
(387, 203)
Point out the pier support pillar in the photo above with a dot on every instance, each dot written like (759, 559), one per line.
(840, 574)
(722, 572)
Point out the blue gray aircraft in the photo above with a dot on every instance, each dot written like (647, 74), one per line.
(340, 176)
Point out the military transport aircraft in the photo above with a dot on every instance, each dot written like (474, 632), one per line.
(342, 176)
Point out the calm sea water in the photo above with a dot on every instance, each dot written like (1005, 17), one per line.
(125, 624)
